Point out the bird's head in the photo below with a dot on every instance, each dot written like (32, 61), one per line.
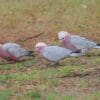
(39, 47)
(64, 37)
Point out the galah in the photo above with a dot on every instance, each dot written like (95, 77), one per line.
(13, 51)
(54, 53)
(75, 42)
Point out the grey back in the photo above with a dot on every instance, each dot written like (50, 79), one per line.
(9, 45)
(82, 43)
(18, 52)
(15, 49)
(56, 53)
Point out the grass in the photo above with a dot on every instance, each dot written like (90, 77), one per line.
(83, 84)
(33, 95)
(95, 96)
(50, 73)
(69, 98)
(20, 19)
(45, 80)
(5, 94)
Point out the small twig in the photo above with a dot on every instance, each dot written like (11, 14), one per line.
(94, 71)
(28, 38)
(75, 75)
(88, 55)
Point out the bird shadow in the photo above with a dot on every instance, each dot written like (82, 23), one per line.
(14, 62)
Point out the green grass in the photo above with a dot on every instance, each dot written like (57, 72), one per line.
(83, 84)
(51, 96)
(95, 96)
(47, 79)
(49, 73)
(17, 66)
(69, 98)
(5, 94)
(33, 95)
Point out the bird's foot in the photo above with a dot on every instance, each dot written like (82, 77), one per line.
(54, 64)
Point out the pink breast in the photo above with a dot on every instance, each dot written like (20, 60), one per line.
(7, 55)
(70, 46)
(11, 56)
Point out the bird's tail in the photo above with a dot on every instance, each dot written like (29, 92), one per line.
(76, 53)
(31, 53)
(97, 46)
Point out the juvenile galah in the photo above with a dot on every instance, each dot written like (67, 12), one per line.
(54, 53)
(13, 51)
(75, 42)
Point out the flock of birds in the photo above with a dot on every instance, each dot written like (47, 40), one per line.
(73, 46)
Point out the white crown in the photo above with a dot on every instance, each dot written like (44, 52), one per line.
(40, 44)
(62, 34)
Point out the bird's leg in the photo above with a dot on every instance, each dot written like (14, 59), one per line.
(43, 63)
(84, 51)
(55, 63)
(77, 51)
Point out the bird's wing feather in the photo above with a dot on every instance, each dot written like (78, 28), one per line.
(6, 46)
(55, 53)
(17, 51)
(81, 42)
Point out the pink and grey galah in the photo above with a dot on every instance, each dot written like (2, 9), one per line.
(54, 53)
(13, 51)
(75, 42)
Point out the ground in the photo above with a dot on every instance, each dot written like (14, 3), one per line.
(29, 21)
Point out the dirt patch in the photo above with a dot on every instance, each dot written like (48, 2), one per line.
(72, 85)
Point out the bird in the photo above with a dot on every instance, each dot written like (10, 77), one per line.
(76, 42)
(54, 53)
(13, 51)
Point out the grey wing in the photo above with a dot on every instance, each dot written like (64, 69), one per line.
(81, 42)
(6, 46)
(55, 53)
(18, 52)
